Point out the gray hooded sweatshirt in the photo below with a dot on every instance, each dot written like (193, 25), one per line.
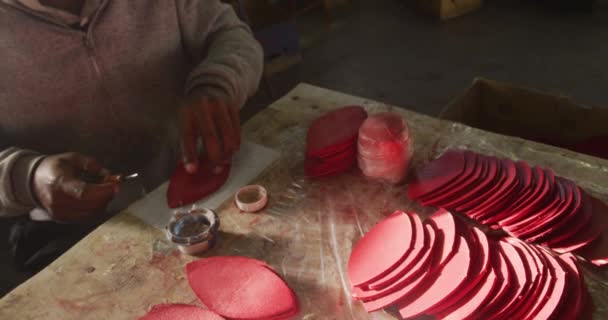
(111, 90)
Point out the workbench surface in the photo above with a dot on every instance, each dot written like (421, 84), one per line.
(306, 233)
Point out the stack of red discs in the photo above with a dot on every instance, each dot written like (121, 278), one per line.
(331, 141)
(385, 147)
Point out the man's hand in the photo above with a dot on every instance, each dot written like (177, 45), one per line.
(212, 120)
(59, 188)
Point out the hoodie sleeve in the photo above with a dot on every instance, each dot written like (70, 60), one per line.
(228, 58)
(16, 171)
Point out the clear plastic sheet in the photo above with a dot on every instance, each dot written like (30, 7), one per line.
(385, 147)
(314, 224)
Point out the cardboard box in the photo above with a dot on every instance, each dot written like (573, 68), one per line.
(446, 9)
(532, 115)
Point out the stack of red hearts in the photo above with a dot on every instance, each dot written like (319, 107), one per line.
(530, 203)
(331, 141)
(384, 147)
(233, 287)
(443, 268)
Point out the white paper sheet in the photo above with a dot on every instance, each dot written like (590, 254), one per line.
(247, 164)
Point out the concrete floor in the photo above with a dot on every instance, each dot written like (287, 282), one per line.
(385, 50)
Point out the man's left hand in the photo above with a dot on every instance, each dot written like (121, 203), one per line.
(210, 118)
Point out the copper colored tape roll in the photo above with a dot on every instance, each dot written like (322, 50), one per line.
(251, 198)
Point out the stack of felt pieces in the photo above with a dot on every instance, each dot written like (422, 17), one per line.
(331, 141)
(443, 268)
(530, 203)
(232, 287)
(385, 147)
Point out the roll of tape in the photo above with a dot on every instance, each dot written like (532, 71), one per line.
(251, 198)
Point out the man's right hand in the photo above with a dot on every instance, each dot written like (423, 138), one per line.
(60, 190)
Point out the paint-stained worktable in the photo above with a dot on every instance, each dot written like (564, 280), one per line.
(124, 267)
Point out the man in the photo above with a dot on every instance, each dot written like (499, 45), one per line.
(90, 87)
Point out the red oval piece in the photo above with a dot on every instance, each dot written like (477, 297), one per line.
(420, 244)
(538, 187)
(562, 217)
(548, 215)
(505, 274)
(479, 268)
(570, 241)
(337, 163)
(481, 184)
(340, 126)
(539, 197)
(473, 169)
(381, 249)
(185, 188)
(436, 174)
(240, 288)
(573, 304)
(412, 279)
(597, 251)
(378, 299)
(521, 282)
(544, 190)
(179, 311)
(447, 224)
(500, 178)
(546, 282)
(524, 226)
(435, 289)
(478, 297)
(501, 210)
(557, 293)
(505, 191)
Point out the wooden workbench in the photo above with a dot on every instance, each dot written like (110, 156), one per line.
(125, 266)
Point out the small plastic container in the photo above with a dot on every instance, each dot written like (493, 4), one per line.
(194, 231)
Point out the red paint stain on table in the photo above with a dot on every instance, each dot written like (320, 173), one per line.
(284, 231)
(255, 220)
(75, 307)
(168, 264)
(161, 260)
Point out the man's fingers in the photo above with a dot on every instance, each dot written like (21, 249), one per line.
(236, 124)
(87, 164)
(91, 203)
(188, 137)
(88, 192)
(65, 203)
(223, 119)
(71, 186)
(99, 193)
(208, 131)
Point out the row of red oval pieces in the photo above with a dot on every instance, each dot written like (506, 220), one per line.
(232, 287)
(443, 268)
(530, 203)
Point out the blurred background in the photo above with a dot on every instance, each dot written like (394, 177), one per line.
(420, 54)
